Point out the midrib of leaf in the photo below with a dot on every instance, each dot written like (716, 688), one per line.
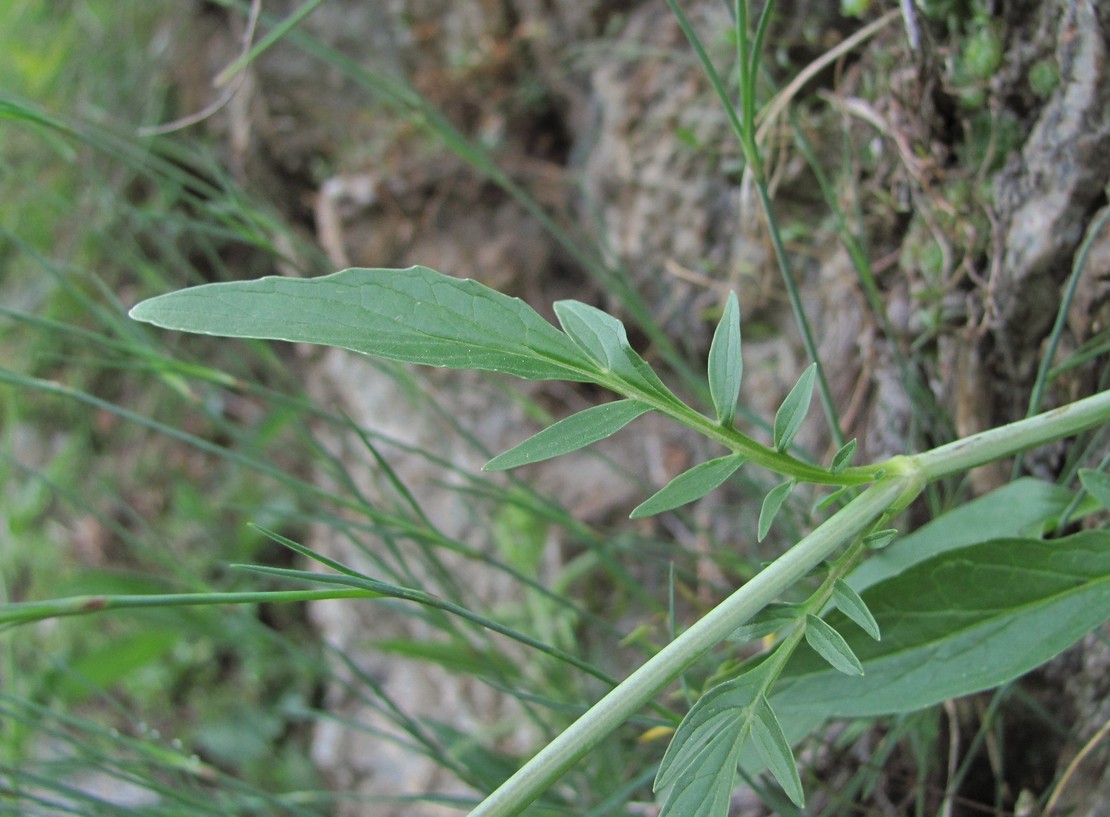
(478, 330)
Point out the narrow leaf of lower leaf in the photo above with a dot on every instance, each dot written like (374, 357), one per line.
(570, 434)
(792, 412)
(771, 505)
(831, 646)
(769, 739)
(726, 366)
(850, 604)
(689, 486)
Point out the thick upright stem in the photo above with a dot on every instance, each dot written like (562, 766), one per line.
(649, 680)
(1007, 440)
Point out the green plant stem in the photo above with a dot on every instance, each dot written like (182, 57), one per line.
(707, 66)
(1007, 440)
(795, 297)
(740, 443)
(28, 611)
(645, 683)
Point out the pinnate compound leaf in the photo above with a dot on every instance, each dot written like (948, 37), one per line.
(570, 434)
(1097, 485)
(414, 315)
(689, 486)
(699, 766)
(604, 340)
(771, 505)
(773, 747)
(726, 366)
(959, 622)
(792, 412)
(848, 602)
(843, 458)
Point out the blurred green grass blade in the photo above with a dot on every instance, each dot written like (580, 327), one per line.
(709, 69)
(1048, 357)
(570, 434)
(1091, 349)
(27, 611)
(430, 600)
(260, 466)
(923, 401)
(274, 35)
(416, 315)
(453, 656)
(960, 622)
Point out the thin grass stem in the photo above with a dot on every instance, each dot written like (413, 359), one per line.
(1036, 397)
